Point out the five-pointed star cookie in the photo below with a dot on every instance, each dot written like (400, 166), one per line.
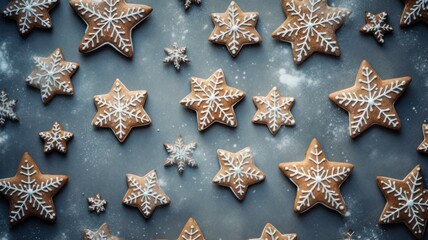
(213, 100)
(371, 100)
(55, 139)
(145, 193)
(191, 231)
(274, 110)
(377, 25)
(270, 232)
(423, 147)
(52, 75)
(188, 3)
(237, 171)
(121, 110)
(406, 201)
(176, 56)
(317, 179)
(180, 154)
(6, 108)
(30, 14)
(30, 192)
(109, 22)
(414, 11)
(235, 28)
(103, 233)
(310, 27)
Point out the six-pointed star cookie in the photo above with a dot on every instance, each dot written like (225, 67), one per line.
(423, 147)
(414, 11)
(121, 110)
(103, 233)
(270, 232)
(109, 22)
(237, 171)
(180, 154)
(406, 201)
(310, 27)
(191, 231)
(97, 204)
(235, 28)
(176, 56)
(55, 139)
(317, 179)
(52, 75)
(274, 110)
(145, 193)
(30, 192)
(377, 25)
(213, 100)
(6, 108)
(188, 3)
(30, 14)
(371, 100)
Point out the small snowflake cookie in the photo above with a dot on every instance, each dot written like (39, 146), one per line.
(310, 27)
(191, 231)
(237, 171)
(55, 139)
(30, 192)
(97, 204)
(414, 11)
(103, 233)
(406, 201)
(6, 108)
(188, 3)
(377, 25)
(176, 56)
(180, 154)
(270, 232)
(109, 22)
(371, 100)
(423, 147)
(30, 14)
(317, 179)
(235, 28)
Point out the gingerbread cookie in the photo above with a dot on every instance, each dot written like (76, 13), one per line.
(109, 22)
(30, 192)
(188, 3)
(235, 28)
(55, 139)
(371, 100)
(213, 100)
(317, 179)
(377, 25)
(97, 204)
(176, 56)
(52, 75)
(406, 201)
(237, 171)
(310, 27)
(180, 154)
(121, 110)
(270, 232)
(191, 231)
(414, 11)
(274, 111)
(6, 108)
(103, 233)
(423, 147)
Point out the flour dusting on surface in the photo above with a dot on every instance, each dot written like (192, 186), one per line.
(5, 62)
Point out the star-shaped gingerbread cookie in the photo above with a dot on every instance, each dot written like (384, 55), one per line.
(423, 147)
(274, 111)
(109, 22)
(317, 179)
(103, 233)
(237, 171)
(52, 75)
(30, 192)
(55, 139)
(406, 201)
(377, 25)
(371, 100)
(414, 11)
(310, 27)
(145, 193)
(235, 28)
(270, 232)
(191, 231)
(121, 110)
(213, 100)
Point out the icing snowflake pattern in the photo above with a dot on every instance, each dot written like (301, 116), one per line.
(188, 3)
(377, 24)
(414, 11)
(271, 233)
(55, 139)
(191, 231)
(103, 233)
(423, 147)
(176, 56)
(97, 204)
(6, 108)
(180, 154)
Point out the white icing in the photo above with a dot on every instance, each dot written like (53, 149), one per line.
(97, 204)
(193, 234)
(6, 108)
(180, 154)
(188, 3)
(54, 139)
(416, 11)
(176, 55)
(423, 147)
(377, 25)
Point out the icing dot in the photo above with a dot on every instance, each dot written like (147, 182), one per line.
(341, 207)
(117, 84)
(298, 208)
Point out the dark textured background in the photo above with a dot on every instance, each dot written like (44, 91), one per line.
(97, 162)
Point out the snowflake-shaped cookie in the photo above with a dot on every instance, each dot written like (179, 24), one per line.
(103, 233)
(271, 233)
(423, 147)
(235, 28)
(406, 201)
(310, 27)
(377, 25)
(30, 14)
(180, 154)
(97, 204)
(188, 3)
(30, 192)
(121, 110)
(109, 22)
(145, 193)
(191, 231)
(414, 11)
(237, 171)
(176, 56)
(274, 110)
(317, 179)
(56, 138)
(371, 100)
(6, 108)
(213, 100)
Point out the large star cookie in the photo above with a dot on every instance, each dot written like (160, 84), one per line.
(317, 179)
(30, 192)
(371, 100)
(423, 147)
(270, 232)
(191, 231)
(6, 108)
(377, 25)
(414, 11)
(237, 171)
(103, 233)
(56, 138)
(180, 154)
(310, 27)
(213, 100)
(30, 14)
(52, 75)
(274, 111)
(145, 193)
(109, 22)
(121, 110)
(235, 28)
(406, 201)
